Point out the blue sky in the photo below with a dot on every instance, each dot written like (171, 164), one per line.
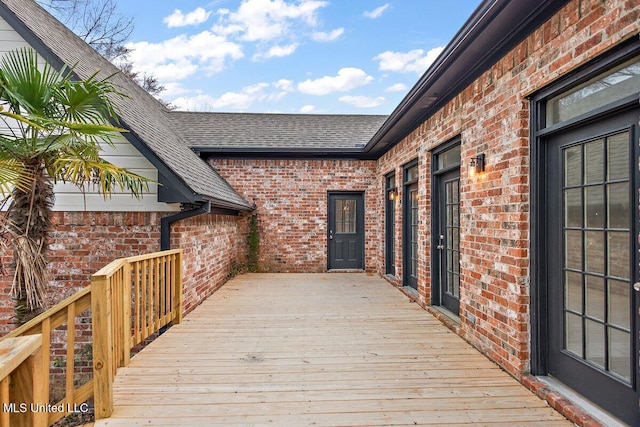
(290, 56)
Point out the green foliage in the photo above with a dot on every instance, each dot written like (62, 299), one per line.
(253, 242)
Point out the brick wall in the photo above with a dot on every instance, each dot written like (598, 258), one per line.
(81, 244)
(84, 242)
(291, 200)
(492, 117)
(215, 247)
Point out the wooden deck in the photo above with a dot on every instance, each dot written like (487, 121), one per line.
(317, 349)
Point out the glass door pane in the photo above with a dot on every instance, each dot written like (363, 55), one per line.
(596, 262)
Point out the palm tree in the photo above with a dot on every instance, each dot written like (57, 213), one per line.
(54, 128)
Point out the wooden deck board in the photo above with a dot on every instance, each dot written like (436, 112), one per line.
(325, 349)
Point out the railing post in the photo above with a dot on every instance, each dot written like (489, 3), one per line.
(177, 283)
(102, 346)
(21, 359)
(126, 314)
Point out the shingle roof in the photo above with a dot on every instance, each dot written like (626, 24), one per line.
(140, 113)
(269, 131)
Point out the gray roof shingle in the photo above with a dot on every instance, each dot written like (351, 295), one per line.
(143, 115)
(275, 131)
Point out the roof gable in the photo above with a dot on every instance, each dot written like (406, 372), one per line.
(187, 177)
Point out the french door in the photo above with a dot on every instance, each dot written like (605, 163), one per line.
(447, 240)
(591, 258)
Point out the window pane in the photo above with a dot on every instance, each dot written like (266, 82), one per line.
(620, 353)
(573, 249)
(339, 216)
(618, 156)
(594, 206)
(594, 345)
(595, 297)
(349, 216)
(618, 256)
(619, 304)
(573, 334)
(573, 166)
(615, 84)
(573, 207)
(594, 251)
(449, 158)
(573, 291)
(412, 174)
(594, 162)
(618, 205)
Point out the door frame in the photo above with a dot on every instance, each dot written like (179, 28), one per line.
(436, 273)
(537, 281)
(407, 280)
(359, 196)
(390, 197)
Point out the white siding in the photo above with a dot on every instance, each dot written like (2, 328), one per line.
(70, 198)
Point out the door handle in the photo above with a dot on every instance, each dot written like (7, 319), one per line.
(636, 286)
(441, 243)
(330, 234)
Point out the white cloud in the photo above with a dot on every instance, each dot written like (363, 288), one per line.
(414, 61)
(362, 101)
(265, 20)
(398, 87)
(307, 109)
(377, 12)
(345, 80)
(327, 37)
(245, 98)
(284, 85)
(182, 56)
(277, 52)
(178, 19)
(173, 90)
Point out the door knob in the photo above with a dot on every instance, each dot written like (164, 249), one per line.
(636, 286)
(330, 234)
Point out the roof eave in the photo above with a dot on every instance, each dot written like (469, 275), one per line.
(496, 27)
(281, 152)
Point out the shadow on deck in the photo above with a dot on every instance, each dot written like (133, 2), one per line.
(317, 349)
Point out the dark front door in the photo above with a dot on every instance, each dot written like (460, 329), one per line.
(447, 240)
(390, 226)
(411, 236)
(591, 249)
(346, 231)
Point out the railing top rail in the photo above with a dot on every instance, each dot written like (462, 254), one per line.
(153, 255)
(115, 265)
(14, 351)
(49, 313)
(110, 268)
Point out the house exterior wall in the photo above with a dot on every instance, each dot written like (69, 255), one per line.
(84, 242)
(68, 197)
(491, 116)
(215, 248)
(291, 201)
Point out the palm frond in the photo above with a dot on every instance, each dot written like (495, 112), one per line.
(26, 84)
(13, 174)
(107, 176)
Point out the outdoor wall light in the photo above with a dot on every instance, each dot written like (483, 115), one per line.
(476, 165)
(393, 194)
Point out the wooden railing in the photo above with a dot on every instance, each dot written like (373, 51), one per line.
(144, 294)
(130, 300)
(46, 324)
(21, 358)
